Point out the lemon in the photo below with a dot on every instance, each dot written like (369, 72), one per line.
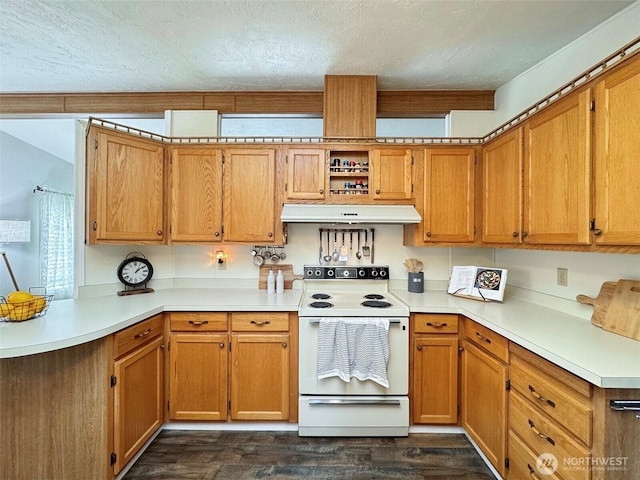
(19, 297)
(37, 304)
(6, 309)
(20, 312)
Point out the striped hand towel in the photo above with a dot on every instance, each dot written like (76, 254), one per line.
(354, 347)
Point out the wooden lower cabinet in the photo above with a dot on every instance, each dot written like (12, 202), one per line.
(198, 376)
(484, 396)
(259, 376)
(434, 374)
(138, 400)
(233, 366)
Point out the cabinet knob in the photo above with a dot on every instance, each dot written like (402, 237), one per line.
(597, 231)
(428, 234)
(159, 232)
(419, 347)
(284, 345)
(321, 191)
(515, 234)
(377, 192)
(524, 234)
(270, 234)
(217, 234)
(221, 344)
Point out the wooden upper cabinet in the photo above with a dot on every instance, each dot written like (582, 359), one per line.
(502, 189)
(449, 194)
(196, 195)
(249, 207)
(617, 157)
(557, 173)
(350, 106)
(306, 174)
(391, 174)
(125, 188)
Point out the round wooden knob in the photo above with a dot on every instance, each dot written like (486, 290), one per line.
(419, 347)
(284, 344)
(524, 234)
(217, 234)
(221, 344)
(270, 234)
(377, 192)
(321, 191)
(428, 234)
(515, 234)
(159, 232)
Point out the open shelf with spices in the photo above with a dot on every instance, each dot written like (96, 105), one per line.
(349, 172)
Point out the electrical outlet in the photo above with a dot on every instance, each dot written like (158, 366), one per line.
(563, 277)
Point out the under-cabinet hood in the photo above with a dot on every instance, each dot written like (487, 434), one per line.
(313, 213)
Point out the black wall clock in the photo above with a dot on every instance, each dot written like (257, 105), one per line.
(134, 272)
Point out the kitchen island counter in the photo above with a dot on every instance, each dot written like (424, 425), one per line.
(602, 358)
(74, 322)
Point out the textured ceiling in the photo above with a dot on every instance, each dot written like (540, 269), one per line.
(178, 45)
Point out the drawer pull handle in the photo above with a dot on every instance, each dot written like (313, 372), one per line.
(482, 338)
(537, 396)
(532, 472)
(625, 405)
(143, 334)
(436, 325)
(197, 323)
(540, 434)
(257, 322)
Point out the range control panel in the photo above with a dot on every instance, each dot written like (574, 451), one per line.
(346, 273)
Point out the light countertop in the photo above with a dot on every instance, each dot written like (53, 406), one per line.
(602, 358)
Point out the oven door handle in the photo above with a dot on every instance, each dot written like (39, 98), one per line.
(316, 321)
(345, 401)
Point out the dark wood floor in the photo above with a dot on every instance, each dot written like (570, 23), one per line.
(224, 455)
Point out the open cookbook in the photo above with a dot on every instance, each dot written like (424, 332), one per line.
(480, 283)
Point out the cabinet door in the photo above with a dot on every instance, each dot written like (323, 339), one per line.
(557, 173)
(196, 195)
(249, 195)
(618, 157)
(127, 173)
(260, 376)
(435, 389)
(391, 174)
(138, 400)
(306, 174)
(502, 189)
(484, 403)
(449, 186)
(198, 376)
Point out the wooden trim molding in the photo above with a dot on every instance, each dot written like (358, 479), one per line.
(389, 103)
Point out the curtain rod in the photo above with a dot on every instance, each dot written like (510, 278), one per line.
(50, 190)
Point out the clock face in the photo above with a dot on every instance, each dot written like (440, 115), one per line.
(134, 272)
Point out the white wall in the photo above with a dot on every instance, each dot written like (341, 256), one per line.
(22, 167)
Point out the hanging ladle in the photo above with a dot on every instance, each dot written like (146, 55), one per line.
(336, 254)
(358, 253)
(327, 258)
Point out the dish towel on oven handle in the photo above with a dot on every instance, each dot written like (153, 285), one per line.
(354, 347)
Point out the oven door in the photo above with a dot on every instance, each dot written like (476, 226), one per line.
(397, 369)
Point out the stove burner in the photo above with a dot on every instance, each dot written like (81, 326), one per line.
(375, 304)
(320, 296)
(374, 296)
(321, 305)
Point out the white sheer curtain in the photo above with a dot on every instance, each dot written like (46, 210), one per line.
(56, 243)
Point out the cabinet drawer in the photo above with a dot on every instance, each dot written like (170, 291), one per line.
(523, 462)
(427, 323)
(542, 435)
(136, 335)
(487, 339)
(557, 400)
(260, 322)
(198, 322)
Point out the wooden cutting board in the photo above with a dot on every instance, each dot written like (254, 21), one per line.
(600, 303)
(623, 316)
(287, 272)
